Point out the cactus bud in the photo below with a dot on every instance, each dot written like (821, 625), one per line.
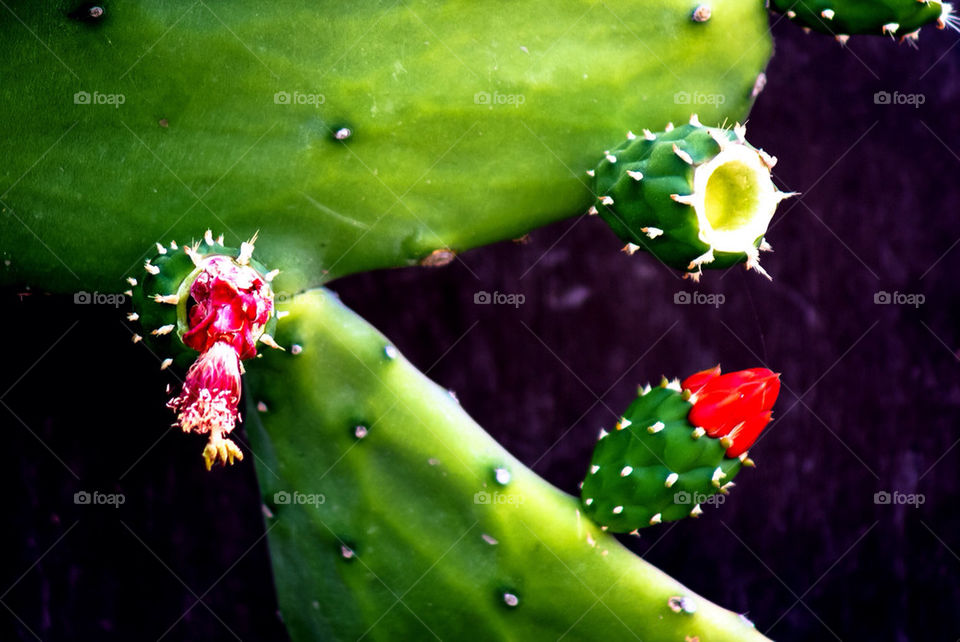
(735, 406)
(843, 18)
(677, 447)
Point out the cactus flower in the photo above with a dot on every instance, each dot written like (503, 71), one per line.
(734, 407)
(208, 402)
(231, 304)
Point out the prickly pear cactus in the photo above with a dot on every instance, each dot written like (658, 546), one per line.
(357, 136)
(392, 516)
(695, 197)
(844, 18)
(676, 447)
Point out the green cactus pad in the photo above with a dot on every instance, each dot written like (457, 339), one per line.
(161, 293)
(355, 135)
(392, 516)
(695, 197)
(656, 466)
(844, 18)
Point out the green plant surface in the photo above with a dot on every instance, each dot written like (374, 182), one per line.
(469, 123)
(421, 525)
(876, 17)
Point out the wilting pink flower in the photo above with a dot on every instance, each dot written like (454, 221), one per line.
(734, 407)
(231, 304)
(208, 402)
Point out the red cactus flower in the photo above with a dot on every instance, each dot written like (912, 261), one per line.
(231, 304)
(734, 407)
(209, 399)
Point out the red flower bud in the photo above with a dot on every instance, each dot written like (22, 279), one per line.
(735, 406)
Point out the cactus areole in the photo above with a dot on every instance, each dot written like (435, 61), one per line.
(677, 447)
(216, 301)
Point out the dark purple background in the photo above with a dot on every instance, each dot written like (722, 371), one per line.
(869, 400)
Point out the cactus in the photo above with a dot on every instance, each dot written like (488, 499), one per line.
(676, 447)
(370, 136)
(392, 515)
(843, 18)
(695, 197)
(362, 137)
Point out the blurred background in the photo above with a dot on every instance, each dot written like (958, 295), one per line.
(861, 319)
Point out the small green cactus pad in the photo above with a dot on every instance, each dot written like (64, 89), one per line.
(695, 197)
(355, 135)
(843, 18)
(391, 515)
(655, 466)
(161, 293)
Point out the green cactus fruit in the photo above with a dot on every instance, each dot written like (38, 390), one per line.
(677, 448)
(361, 135)
(693, 196)
(843, 18)
(391, 515)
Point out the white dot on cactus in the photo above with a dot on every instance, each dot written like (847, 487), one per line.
(390, 351)
(588, 501)
(510, 599)
(617, 510)
(261, 407)
(594, 469)
(343, 133)
(679, 603)
(296, 348)
(626, 471)
(360, 432)
(701, 14)
(489, 539)
(502, 476)
(346, 552)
